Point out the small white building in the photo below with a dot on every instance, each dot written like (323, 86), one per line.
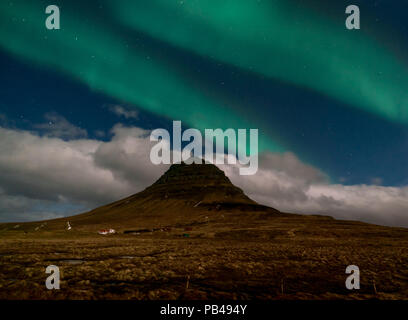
(106, 231)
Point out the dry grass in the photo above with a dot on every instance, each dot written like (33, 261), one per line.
(263, 257)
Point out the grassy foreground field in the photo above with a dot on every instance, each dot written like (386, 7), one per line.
(231, 256)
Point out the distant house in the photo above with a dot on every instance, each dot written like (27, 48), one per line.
(106, 231)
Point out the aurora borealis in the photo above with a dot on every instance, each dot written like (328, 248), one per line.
(105, 63)
(336, 98)
(283, 41)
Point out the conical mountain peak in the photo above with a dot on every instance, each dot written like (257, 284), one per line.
(193, 174)
(185, 192)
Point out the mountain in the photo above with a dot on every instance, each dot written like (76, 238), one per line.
(185, 194)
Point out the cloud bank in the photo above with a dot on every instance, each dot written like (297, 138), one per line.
(46, 176)
(285, 183)
(42, 173)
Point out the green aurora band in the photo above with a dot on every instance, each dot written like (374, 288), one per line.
(283, 41)
(272, 38)
(106, 63)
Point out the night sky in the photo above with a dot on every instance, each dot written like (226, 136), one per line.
(337, 99)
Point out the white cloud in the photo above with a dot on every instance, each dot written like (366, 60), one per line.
(287, 184)
(122, 112)
(57, 126)
(82, 172)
